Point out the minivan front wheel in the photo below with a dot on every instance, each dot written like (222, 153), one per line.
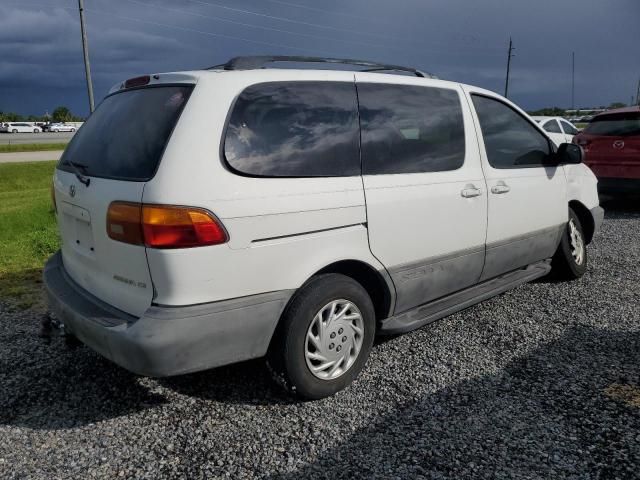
(570, 260)
(324, 337)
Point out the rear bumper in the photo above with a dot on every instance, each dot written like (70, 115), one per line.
(618, 185)
(166, 341)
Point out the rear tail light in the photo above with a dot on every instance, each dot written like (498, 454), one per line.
(163, 226)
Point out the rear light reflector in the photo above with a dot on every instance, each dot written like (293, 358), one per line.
(164, 226)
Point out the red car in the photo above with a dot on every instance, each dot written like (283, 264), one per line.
(611, 144)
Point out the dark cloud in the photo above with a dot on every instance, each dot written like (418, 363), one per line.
(463, 40)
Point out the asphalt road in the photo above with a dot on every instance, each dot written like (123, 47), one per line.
(540, 382)
(43, 137)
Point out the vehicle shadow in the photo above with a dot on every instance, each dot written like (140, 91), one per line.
(570, 409)
(620, 206)
(46, 385)
(245, 383)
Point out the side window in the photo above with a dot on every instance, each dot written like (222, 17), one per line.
(410, 129)
(510, 140)
(552, 126)
(294, 129)
(568, 128)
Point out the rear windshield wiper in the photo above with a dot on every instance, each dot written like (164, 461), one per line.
(76, 169)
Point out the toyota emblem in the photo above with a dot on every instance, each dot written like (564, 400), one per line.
(618, 144)
(72, 191)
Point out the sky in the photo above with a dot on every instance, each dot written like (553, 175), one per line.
(41, 63)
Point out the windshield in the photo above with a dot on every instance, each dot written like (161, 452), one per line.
(126, 135)
(618, 124)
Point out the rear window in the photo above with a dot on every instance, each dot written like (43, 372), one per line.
(126, 135)
(616, 124)
(294, 129)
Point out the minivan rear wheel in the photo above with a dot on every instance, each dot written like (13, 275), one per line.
(324, 337)
(570, 260)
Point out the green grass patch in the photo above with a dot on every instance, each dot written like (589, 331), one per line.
(31, 147)
(28, 231)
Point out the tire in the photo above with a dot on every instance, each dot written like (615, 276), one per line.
(14, 131)
(570, 260)
(35, 130)
(73, 129)
(292, 353)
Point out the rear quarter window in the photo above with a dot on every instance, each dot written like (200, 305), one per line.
(126, 136)
(294, 129)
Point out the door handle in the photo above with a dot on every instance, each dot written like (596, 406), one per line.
(500, 188)
(470, 191)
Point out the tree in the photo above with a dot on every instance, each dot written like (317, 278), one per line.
(617, 105)
(61, 114)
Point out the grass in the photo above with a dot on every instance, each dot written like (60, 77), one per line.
(28, 232)
(31, 147)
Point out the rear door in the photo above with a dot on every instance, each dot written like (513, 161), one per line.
(110, 158)
(424, 188)
(527, 197)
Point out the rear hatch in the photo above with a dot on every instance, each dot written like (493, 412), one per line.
(612, 145)
(113, 155)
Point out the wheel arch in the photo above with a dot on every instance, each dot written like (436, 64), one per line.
(377, 283)
(585, 217)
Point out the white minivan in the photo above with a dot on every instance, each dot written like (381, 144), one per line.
(19, 127)
(295, 214)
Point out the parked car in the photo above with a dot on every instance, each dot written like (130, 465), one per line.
(19, 127)
(61, 127)
(298, 219)
(558, 129)
(611, 144)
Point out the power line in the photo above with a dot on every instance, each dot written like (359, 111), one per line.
(250, 25)
(319, 10)
(193, 30)
(288, 20)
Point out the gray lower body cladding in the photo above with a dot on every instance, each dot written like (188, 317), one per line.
(421, 282)
(166, 341)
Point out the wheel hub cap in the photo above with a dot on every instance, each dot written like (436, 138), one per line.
(334, 339)
(577, 244)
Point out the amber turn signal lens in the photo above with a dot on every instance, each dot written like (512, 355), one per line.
(123, 222)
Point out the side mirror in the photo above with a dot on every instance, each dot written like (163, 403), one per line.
(569, 153)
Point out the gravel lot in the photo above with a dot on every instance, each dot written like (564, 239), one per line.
(541, 382)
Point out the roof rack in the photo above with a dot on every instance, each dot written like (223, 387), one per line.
(259, 61)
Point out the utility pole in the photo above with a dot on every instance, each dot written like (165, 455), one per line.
(509, 55)
(573, 80)
(85, 51)
(638, 94)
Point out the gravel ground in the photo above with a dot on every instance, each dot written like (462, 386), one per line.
(541, 382)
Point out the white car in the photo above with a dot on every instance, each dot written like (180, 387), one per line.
(309, 211)
(61, 127)
(558, 129)
(19, 127)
